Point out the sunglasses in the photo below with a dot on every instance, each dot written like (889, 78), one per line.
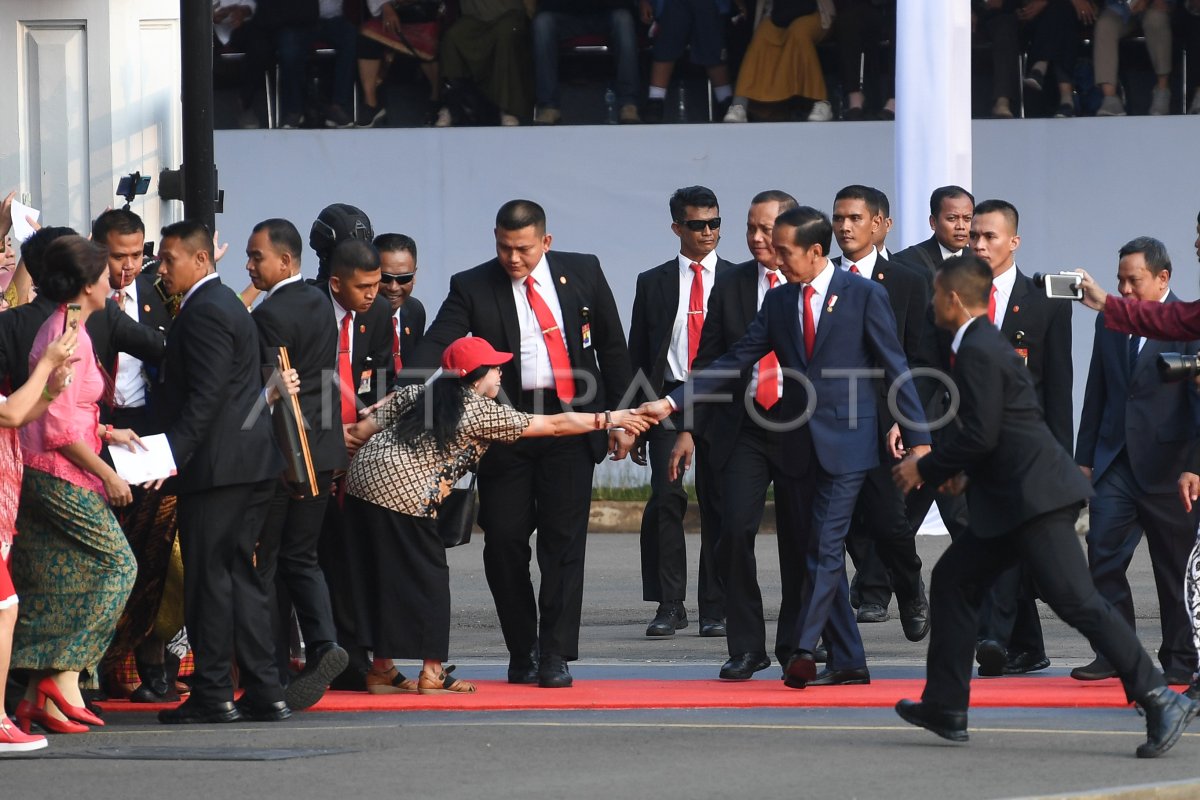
(698, 225)
(400, 279)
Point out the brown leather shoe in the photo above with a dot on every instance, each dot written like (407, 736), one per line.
(442, 683)
(390, 682)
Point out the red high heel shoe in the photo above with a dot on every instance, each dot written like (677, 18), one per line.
(46, 688)
(27, 713)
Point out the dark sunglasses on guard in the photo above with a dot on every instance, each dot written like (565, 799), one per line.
(400, 279)
(698, 225)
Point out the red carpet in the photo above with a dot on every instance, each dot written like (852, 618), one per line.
(1017, 692)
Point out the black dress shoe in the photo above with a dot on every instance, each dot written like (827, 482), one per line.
(841, 677)
(713, 628)
(320, 668)
(669, 618)
(914, 615)
(1167, 714)
(872, 612)
(553, 673)
(257, 711)
(1193, 691)
(1177, 677)
(198, 712)
(950, 725)
(800, 671)
(991, 657)
(154, 688)
(523, 668)
(1098, 670)
(1022, 663)
(743, 666)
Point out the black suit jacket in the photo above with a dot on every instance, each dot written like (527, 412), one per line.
(481, 303)
(111, 332)
(655, 304)
(1017, 469)
(371, 346)
(211, 396)
(924, 258)
(732, 306)
(908, 296)
(1156, 423)
(298, 316)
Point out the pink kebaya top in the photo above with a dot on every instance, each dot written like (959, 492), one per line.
(74, 416)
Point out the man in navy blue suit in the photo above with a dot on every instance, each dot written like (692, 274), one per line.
(1137, 434)
(830, 330)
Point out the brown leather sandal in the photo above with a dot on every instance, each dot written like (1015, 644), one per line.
(390, 682)
(443, 683)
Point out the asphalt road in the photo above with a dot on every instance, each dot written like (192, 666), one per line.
(697, 753)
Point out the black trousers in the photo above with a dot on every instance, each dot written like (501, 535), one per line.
(1120, 512)
(882, 543)
(287, 563)
(1054, 38)
(756, 462)
(542, 485)
(860, 26)
(340, 554)
(1009, 614)
(663, 544)
(406, 582)
(224, 601)
(1048, 547)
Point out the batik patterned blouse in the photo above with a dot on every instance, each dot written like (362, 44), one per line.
(412, 480)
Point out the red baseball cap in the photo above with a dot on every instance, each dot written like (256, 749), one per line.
(469, 353)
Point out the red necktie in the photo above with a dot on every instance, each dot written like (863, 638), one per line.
(992, 306)
(767, 393)
(346, 374)
(560, 362)
(854, 269)
(810, 327)
(397, 362)
(695, 313)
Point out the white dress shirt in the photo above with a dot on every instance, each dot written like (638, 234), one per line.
(947, 253)
(865, 265)
(958, 336)
(677, 354)
(129, 384)
(535, 358)
(1004, 283)
(818, 301)
(339, 314)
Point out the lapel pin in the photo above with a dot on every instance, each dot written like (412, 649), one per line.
(362, 328)
(146, 308)
(562, 279)
(407, 331)
(881, 276)
(1016, 309)
(832, 303)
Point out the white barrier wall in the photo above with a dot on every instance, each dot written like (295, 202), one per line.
(1083, 187)
(91, 93)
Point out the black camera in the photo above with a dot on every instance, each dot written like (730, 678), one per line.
(1175, 367)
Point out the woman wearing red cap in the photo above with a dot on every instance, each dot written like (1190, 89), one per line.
(420, 443)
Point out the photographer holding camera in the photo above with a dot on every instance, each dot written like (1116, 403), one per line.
(1137, 433)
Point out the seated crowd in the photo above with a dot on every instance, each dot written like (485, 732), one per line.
(488, 62)
(300, 542)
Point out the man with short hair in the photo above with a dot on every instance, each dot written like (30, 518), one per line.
(1039, 330)
(664, 338)
(880, 514)
(398, 265)
(1024, 495)
(362, 322)
(555, 313)
(227, 461)
(297, 316)
(748, 456)
(950, 211)
(821, 324)
(1137, 434)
